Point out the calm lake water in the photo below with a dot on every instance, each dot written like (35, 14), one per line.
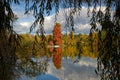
(68, 63)
(44, 69)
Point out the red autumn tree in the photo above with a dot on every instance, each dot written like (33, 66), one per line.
(57, 35)
(57, 57)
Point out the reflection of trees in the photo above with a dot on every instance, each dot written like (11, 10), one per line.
(33, 67)
(71, 51)
(79, 46)
(57, 57)
(83, 46)
(32, 63)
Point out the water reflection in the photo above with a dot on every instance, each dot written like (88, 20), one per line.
(32, 67)
(60, 66)
(68, 63)
(84, 69)
(57, 57)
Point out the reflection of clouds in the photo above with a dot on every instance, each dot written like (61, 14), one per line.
(87, 62)
(84, 70)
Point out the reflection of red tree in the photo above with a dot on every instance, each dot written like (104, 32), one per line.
(57, 35)
(51, 42)
(51, 49)
(57, 57)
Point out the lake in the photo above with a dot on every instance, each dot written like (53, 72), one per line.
(57, 67)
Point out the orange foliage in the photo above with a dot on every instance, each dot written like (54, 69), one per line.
(51, 49)
(50, 42)
(57, 35)
(57, 57)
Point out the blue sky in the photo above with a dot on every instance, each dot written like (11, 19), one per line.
(22, 25)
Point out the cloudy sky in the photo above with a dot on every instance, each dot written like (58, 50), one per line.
(22, 25)
(81, 22)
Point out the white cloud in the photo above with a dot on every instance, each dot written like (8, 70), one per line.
(25, 24)
(22, 27)
(81, 22)
(49, 23)
(84, 61)
(25, 21)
